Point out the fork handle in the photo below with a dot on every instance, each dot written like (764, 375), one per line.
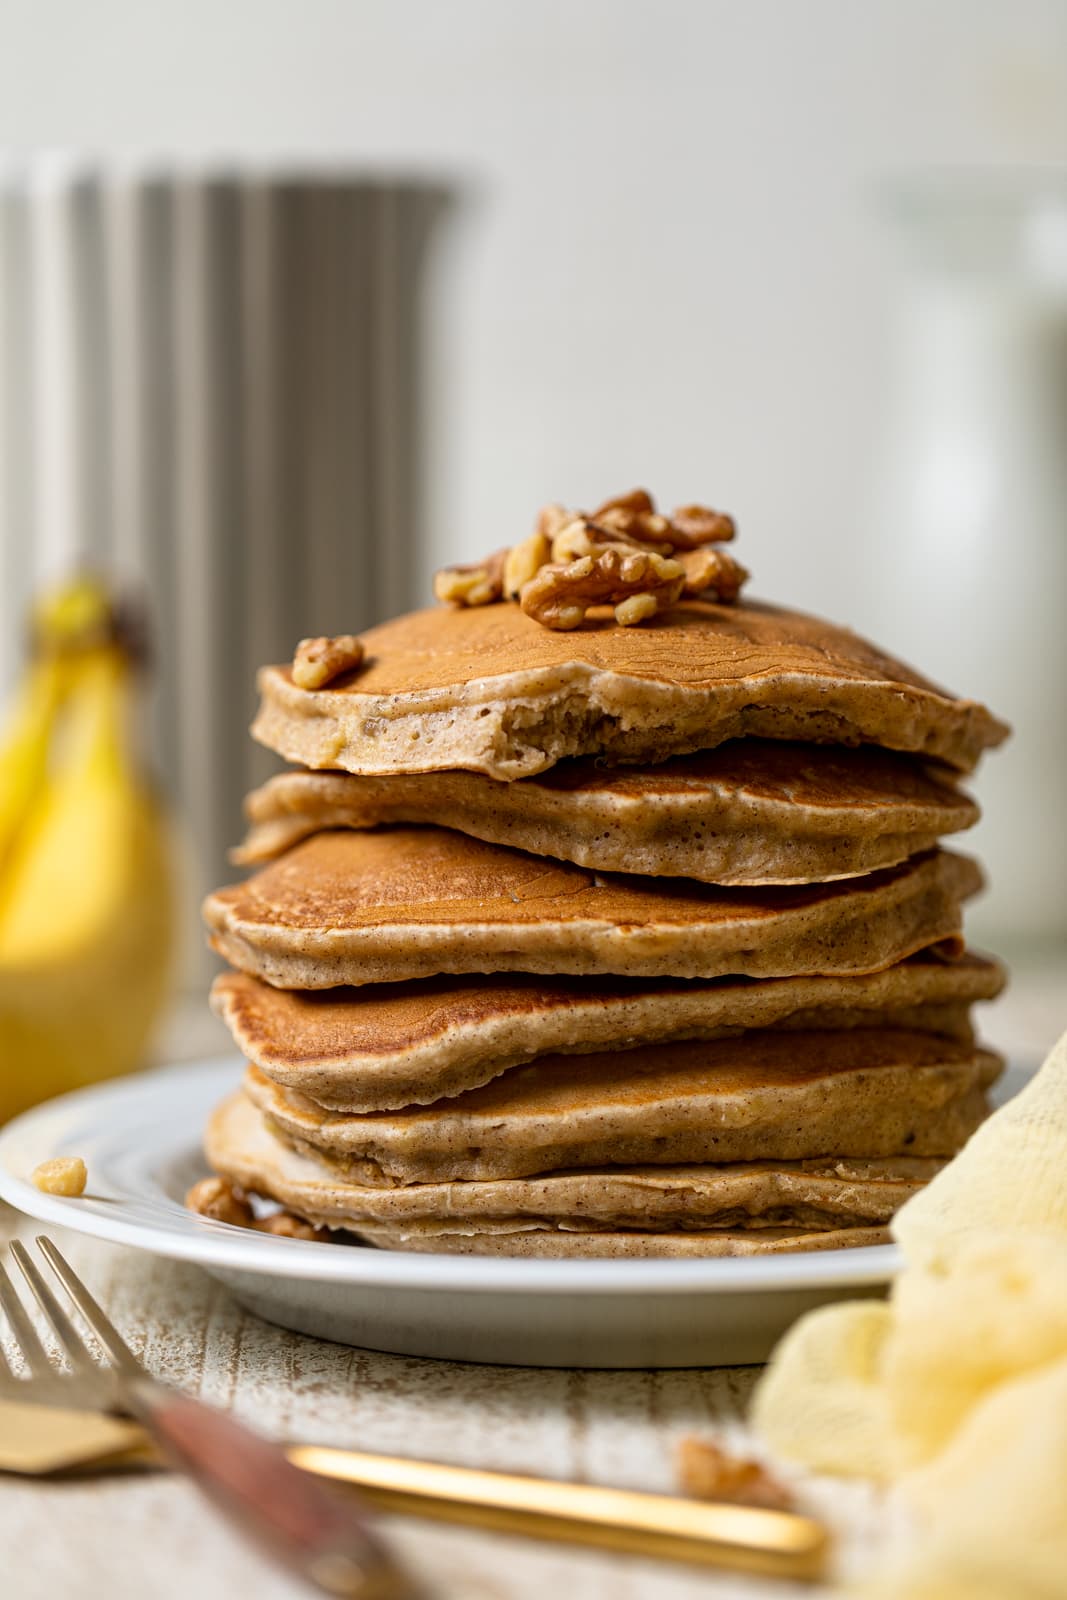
(310, 1528)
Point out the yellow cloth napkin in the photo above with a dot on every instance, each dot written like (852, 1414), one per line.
(956, 1390)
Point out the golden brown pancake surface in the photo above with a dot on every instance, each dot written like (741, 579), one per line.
(492, 691)
(385, 906)
(753, 811)
(867, 1093)
(391, 1045)
(760, 1198)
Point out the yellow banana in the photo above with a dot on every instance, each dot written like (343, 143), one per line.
(24, 753)
(85, 881)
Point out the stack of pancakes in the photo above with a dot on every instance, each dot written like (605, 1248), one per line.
(625, 941)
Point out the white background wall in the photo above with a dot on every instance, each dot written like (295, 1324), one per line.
(670, 267)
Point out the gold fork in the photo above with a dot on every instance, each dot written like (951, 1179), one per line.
(781, 1544)
(317, 1532)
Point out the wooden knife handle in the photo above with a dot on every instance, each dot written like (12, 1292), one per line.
(314, 1530)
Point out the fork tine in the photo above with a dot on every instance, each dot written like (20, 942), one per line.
(9, 1373)
(26, 1338)
(121, 1355)
(62, 1326)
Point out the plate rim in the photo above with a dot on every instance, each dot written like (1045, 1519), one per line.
(221, 1246)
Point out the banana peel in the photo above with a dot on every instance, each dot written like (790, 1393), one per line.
(24, 759)
(86, 893)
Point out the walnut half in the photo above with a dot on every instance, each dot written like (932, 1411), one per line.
(524, 561)
(221, 1200)
(625, 554)
(318, 661)
(581, 536)
(713, 574)
(693, 526)
(65, 1175)
(224, 1201)
(287, 1225)
(478, 583)
(560, 595)
(634, 517)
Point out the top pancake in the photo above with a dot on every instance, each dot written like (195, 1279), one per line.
(492, 691)
(753, 811)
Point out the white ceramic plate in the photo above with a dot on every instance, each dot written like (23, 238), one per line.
(140, 1138)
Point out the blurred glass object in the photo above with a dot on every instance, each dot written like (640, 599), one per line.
(209, 388)
(969, 562)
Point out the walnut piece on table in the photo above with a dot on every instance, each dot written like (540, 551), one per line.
(560, 595)
(318, 661)
(708, 1472)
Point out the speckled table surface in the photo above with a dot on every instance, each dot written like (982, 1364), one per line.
(151, 1535)
(124, 1538)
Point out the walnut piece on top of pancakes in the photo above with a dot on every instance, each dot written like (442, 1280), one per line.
(625, 554)
(318, 661)
(638, 583)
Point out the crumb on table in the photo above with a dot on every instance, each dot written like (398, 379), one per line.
(708, 1472)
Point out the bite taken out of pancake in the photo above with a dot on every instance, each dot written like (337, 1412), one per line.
(754, 811)
(490, 690)
(603, 913)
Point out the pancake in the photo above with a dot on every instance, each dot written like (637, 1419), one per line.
(858, 1093)
(751, 812)
(491, 691)
(813, 1195)
(356, 908)
(392, 1045)
(631, 1245)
